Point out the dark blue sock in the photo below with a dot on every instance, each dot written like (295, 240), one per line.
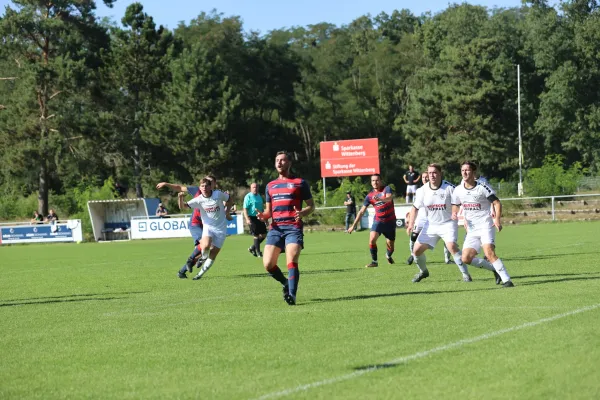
(293, 277)
(389, 252)
(195, 253)
(183, 269)
(276, 274)
(373, 250)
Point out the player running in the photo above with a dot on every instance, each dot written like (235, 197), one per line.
(212, 205)
(477, 199)
(380, 197)
(419, 223)
(436, 199)
(283, 203)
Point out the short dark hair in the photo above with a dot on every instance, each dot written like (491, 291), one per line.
(470, 164)
(287, 155)
(206, 181)
(377, 175)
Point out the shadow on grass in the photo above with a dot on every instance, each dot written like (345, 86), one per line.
(67, 296)
(383, 295)
(375, 367)
(548, 256)
(560, 280)
(302, 272)
(429, 292)
(552, 275)
(29, 303)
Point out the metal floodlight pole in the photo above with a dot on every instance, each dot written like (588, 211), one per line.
(520, 185)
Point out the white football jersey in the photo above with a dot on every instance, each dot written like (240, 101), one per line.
(475, 204)
(212, 209)
(422, 215)
(437, 202)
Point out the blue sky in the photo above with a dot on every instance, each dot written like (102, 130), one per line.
(265, 15)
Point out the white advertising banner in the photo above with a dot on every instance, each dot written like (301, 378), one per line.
(400, 211)
(160, 228)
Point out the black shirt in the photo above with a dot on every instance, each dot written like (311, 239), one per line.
(351, 208)
(411, 176)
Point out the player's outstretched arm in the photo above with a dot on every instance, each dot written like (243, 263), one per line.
(361, 212)
(173, 186)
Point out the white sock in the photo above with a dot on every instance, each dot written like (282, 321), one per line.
(421, 262)
(205, 253)
(499, 267)
(461, 266)
(447, 254)
(207, 264)
(481, 263)
(411, 246)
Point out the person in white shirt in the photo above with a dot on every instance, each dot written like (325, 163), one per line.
(419, 223)
(212, 205)
(435, 197)
(477, 199)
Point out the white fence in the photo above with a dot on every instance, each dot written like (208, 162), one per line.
(586, 206)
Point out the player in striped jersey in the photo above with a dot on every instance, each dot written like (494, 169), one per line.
(384, 223)
(477, 199)
(436, 198)
(283, 204)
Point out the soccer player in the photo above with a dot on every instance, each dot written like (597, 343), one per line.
(284, 197)
(380, 197)
(477, 198)
(418, 225)
(212, 204)
(253, 202)
(411, 178)
(228, 210)
(436, 199)
(195, 225)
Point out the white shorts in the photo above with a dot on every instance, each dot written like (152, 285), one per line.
(431, 234)
(477, 237)
(411, 189)
(217, 236)
(419, 224)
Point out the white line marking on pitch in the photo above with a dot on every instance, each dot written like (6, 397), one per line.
(422, 354)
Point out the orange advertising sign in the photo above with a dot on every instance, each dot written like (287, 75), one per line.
(349, 157)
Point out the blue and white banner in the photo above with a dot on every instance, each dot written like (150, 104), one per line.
(159, 228)
(41, 233)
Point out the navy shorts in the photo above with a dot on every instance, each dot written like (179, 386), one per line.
(281, 236)
(387, 229)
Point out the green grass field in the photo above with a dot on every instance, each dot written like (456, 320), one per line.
(96, 321)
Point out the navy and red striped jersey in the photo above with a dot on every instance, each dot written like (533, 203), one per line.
(384, 212)
(196, 220)
(286, 196)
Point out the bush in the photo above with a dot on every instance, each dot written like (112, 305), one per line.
(552, 179)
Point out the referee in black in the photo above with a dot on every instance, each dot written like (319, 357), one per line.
(252, 202)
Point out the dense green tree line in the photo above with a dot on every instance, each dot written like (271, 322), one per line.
(83, 99)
